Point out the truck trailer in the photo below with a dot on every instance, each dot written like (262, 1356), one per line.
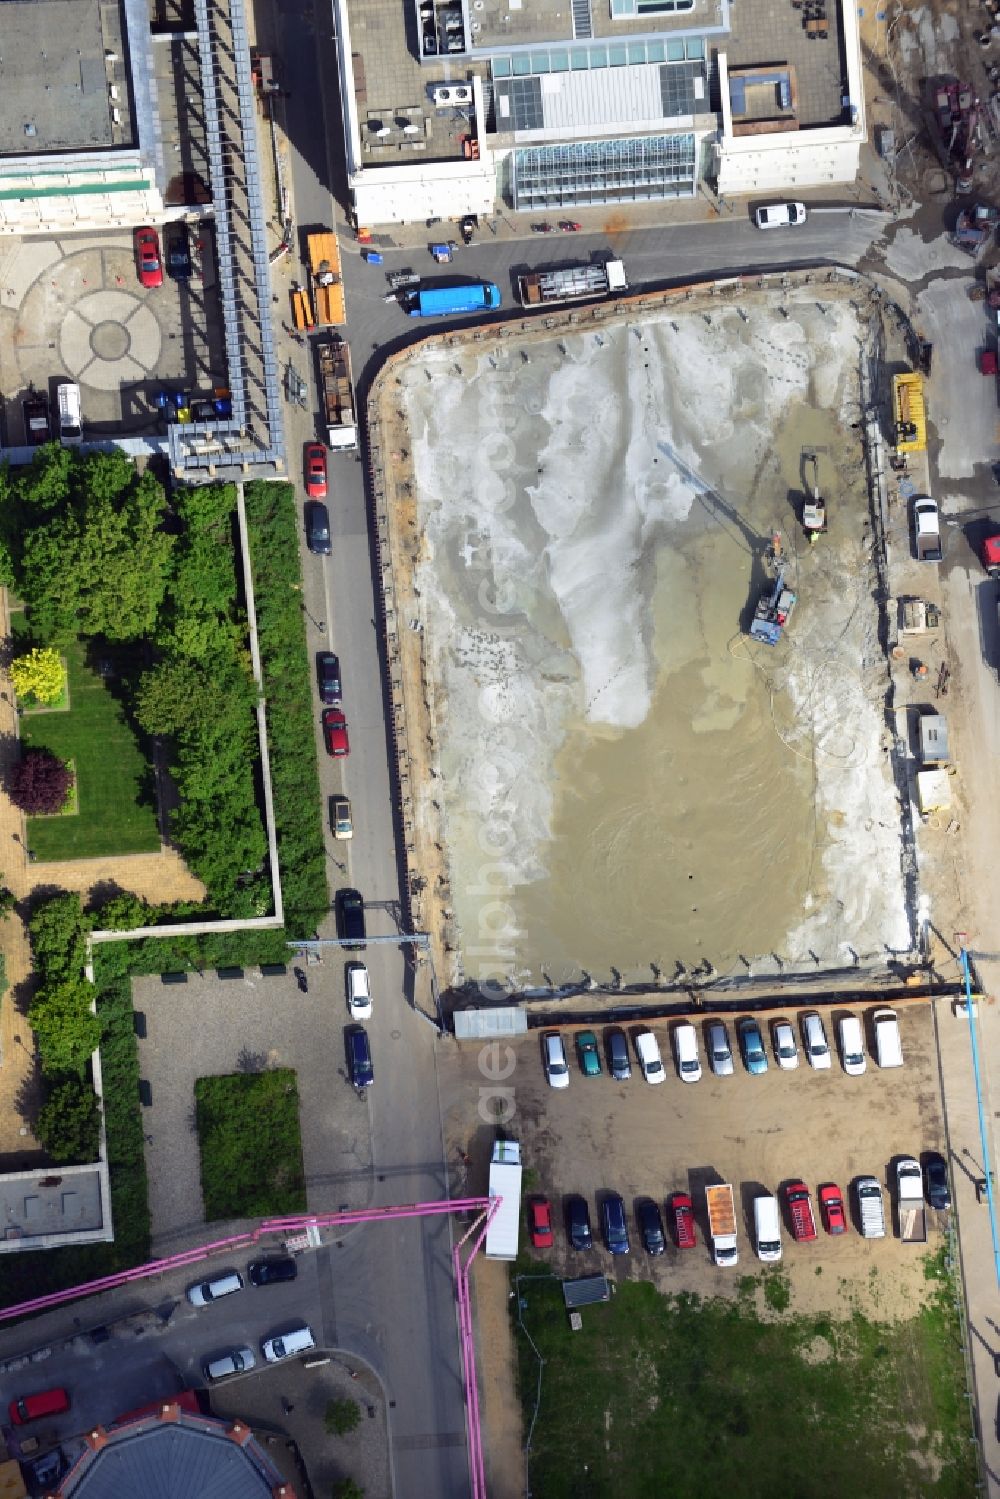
(505, 1183)
(722, 1223)
(337, 395)
(909, 413)
(447, 301)
(910, 1201)
(575, 283)
(326, 279)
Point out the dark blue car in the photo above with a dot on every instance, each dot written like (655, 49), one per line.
(359, 1057)
(615, 1226)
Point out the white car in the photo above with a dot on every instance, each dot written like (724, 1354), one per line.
(298, 1339)
(237, 1361)
(686, 1053)
(359, 994)
(648, 1053)
(554, 1054)
(814, 1037)
(852, 1050)
(786, 1053)
(779, 215)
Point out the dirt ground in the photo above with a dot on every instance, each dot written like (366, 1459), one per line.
(756, 1132)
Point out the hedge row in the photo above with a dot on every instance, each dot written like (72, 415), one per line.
(272, 528)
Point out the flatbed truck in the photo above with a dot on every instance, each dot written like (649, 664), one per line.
(326, 279)
(505, 1183)
(722, 1223)
(337, 395)
(910, 1201)
(575, 283)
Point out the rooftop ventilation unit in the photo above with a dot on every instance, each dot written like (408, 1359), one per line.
(455, 93)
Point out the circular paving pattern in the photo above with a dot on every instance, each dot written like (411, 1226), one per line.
(109, 339)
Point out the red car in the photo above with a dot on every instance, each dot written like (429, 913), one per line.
(335, 732)
(831, 1206)
(315, 471)
(682, 1212)
(147, 257)
(540, 1222)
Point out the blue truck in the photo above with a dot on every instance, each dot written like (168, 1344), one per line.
(446, 301)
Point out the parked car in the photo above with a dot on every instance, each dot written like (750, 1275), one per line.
(647, 1215)
(359, 994)
(590, 1057)
(318, 528)
(554, 1057)
(814, 1040)
(786, 1053)
(328, 676)
(927, 529)
(33, 1407)
(578, 1223)
(147, 257)
(686, 1054)
(751, 1045)
(615, 1224)
(767, 1228)
(207, 1291)
(779, 215)
(648, 1053)
(852, 1049)
(540, 1222)
(236, 1361)
(831, 1208)
(359, 1057)
(720, 1053)
(269, 1272)
(341, 825)
(888, 1047)
(682, 1213)
(936, 1186)
(178, 243)
(69, 406)
(315, 465)
(351, 919)
(335, 732)
(619, 1065)
(298, 1339)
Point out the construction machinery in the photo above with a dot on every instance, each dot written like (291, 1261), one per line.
(956, 110)
(909, 414)
(326, 279)
(776, 604)
(814, 506)
(974, 228)
(337, 395)
(575, 283)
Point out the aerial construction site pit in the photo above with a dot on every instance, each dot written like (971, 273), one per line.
(608, 780)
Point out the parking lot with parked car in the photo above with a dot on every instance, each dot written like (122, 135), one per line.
(774, 1111)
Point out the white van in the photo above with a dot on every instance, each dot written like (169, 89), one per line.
(207, 1291)
(686, 1053)
(888, 1048)
(767, 1228)
(70, 410)
(852, 1049)
(359, 994)
(296, 1340)
(648, 1053)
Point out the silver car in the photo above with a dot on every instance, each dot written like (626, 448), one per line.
(236, 1361)
(720, 1053)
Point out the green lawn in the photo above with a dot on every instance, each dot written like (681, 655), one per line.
(661, 1395)
(114, 780)
(251, 1148)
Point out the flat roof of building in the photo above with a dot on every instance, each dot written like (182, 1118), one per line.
(770, 40)
(50, 1202)
(54, 77)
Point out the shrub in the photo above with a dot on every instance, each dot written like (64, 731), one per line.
(69, 1123)
(39, 675)
(40, 783)
(58, 938)
(66, 1029)
(341, 1417)
(347, 1488)
(251, 1149)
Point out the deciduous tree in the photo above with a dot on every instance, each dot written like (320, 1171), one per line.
(68, 1123)
(39, 674)
(65, 1029)
(40, 783)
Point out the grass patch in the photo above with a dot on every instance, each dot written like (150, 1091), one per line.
(705, 1392)
(251, 1149)
(116, 812)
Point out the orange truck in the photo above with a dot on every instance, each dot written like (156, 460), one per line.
(325, 277)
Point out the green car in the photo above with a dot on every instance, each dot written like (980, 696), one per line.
(590, 1057)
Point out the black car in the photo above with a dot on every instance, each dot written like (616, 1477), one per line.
(615, 1226)
(619, 1064)
(647, 1215)
(268, 1272)
(178, 252)
(936, 1188)
(328, 676)
(351, 919)
(318, 528)
(359, 1057)
(578, 1223)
